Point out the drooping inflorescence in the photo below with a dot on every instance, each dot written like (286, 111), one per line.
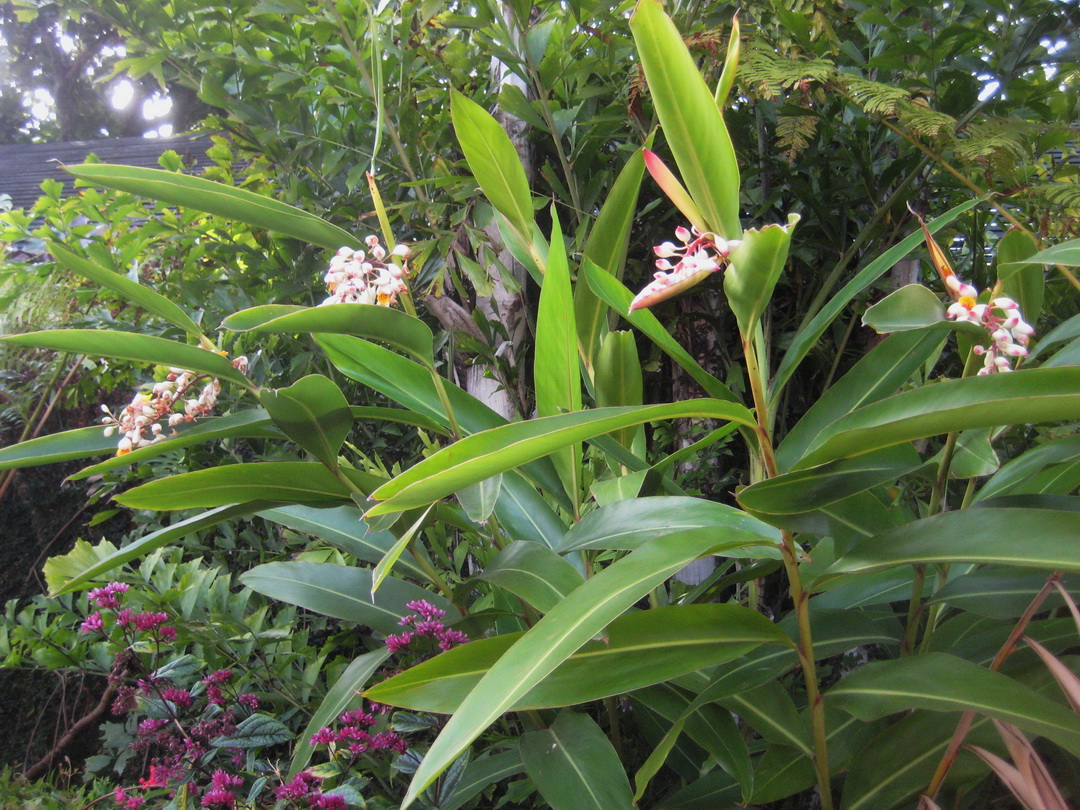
(1000, 317)
(366, 277)
(699, 254)
(139, 423)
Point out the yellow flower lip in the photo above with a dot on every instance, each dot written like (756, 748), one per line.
(967, 302)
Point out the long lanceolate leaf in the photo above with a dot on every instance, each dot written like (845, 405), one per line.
(556, 371)
(553, 639)
(806, 337)
(217, 198)
(691, 121)
(483, 455)
(393, 327)
(344, 693)
(1025, 538)
(131, 346)
(339, 591)
(946, 683)
(133, 291)
(144, 545)
(494, 161)
(1031, 395)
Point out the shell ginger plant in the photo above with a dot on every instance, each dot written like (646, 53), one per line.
(875, 560)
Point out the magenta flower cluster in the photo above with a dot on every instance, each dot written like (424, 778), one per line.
(354, 735)
(303, 791)
(222, 785)
(110, 597)
(426, 622)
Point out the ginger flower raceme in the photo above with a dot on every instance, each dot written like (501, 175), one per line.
(140, 422)
(698, 255)
(1000, 317)
(366, 277)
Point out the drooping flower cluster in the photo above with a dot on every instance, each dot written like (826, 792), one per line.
(699, 254)
(133, 623)
(426, 622)
(140, 422)
(366, 277)
(1000, 317)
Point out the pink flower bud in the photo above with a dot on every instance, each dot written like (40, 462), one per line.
(682, 234)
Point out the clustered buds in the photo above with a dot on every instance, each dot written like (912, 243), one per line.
(699, 254)
(354, 734)
(359, 277)
(109, 597)
(426, 622)
(1000, 317)
(303, 791)
(140, 422)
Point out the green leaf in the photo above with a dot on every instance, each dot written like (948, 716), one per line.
(386, 564)
(808, 336)
(808, 489)
(556, 371)
(1065, 253)
(985, 535)
(286, 481)
(235, 204)
(574, 765)
(999, 593)
(910, 307)
(691, 120)
(879, 374)
(344, 693)
(479, 500)
(564, 630)
(534, 573)
(706, 724)
(344, 528)
(256, 731)
(250, 424)
(606, 247)
(635, 650)
(493, 161)
(71, 444)
(611, 291)
(485, 454)
(756, 265)
(131, 290)
(313, 413)
(1022, 281)
(393, 327)
(943, 682)
(411, 385)
(631, 523)
(1029, 395)
(1014, 475)
(69, 572)
(769, 709)
(483, 771)
(340, 592)
(618, 381)
(131, 346)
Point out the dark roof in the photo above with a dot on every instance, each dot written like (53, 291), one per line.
(23, 167)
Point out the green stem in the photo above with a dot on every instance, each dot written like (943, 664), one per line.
(799, 597)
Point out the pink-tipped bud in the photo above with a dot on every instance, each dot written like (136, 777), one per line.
(664, 264)
(682, 234)
(1004, 303)
(666, 250)
(400, 251)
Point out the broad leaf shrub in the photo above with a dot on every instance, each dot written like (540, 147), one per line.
(888, 553)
